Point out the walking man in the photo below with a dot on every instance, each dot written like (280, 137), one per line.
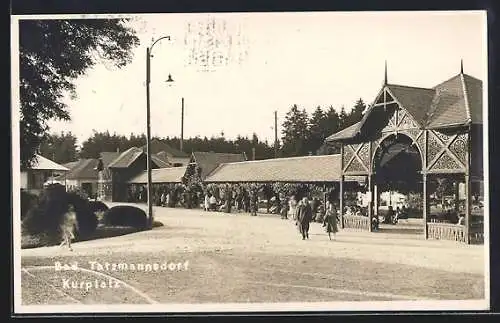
(304, 217)
(254, 202)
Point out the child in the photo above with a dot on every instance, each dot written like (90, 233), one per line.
(68, 227)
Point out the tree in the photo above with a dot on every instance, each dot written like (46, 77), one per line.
(343, 119)
(53, 54)
(317, 129)
(356, 113)
(295, 132)
(60, 148)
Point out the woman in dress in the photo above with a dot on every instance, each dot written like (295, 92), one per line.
(330, 220)
(206, 203)
(292, 208)
(68, 227)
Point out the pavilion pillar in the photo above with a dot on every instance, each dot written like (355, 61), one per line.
(341, 201)
(457, 196)
(467, 208)
(468, 196)
(425, 204)
(375, 200)
(370, 202)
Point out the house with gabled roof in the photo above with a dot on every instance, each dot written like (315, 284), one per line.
(167, 153)
(127, 165)
(83, 176)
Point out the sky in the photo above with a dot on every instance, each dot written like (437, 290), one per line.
(267, 62)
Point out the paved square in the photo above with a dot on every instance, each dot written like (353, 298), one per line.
(240, 258)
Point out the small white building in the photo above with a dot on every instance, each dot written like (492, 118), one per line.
(43, 170)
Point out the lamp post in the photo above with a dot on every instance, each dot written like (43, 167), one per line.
(148, 127)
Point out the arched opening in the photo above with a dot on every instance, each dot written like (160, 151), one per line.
(397, 168)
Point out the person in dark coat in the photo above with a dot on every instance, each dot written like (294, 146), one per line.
(284, 208)
(228, 199)
(304, 217)
(254, 202)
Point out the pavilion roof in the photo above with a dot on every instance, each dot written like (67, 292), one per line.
(42, 163)
(307, 169)
(208, 161)
(160, 175)
(454, 102)
(131, 155)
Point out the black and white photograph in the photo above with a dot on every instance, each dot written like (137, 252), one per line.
(250, 162)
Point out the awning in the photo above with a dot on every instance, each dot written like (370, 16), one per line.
(160, 175)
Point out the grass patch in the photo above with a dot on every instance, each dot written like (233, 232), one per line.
(44, 240)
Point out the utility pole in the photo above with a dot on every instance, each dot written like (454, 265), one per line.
(148, 138)
(275, 134)
(182, 125)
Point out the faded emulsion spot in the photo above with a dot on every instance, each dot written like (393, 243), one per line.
(213, 43)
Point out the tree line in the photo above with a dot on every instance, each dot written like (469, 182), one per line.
(302, 135)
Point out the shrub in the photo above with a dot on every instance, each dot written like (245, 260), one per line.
(124, 215)
(85, 216)
(28, 201)
(98, 206)
(47, 215)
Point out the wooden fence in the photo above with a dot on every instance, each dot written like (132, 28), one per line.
(356, 222)
(476, 233)
(455, 232)
(446, 231)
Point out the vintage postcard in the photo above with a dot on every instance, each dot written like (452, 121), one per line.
(250, 162)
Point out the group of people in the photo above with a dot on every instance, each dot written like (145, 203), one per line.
(391, 217)
(239, 201)
(304, 216)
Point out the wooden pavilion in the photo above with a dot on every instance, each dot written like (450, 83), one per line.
(416, 135)
(320, 174)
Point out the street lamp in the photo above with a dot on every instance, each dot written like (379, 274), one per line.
(148, 127)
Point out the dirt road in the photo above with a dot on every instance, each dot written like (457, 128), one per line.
(240, 258)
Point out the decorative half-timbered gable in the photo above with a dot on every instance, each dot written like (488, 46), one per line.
(441, 127)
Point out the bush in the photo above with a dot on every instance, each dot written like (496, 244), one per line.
(98, 206)
(124, 215)
(47, 215)
(85, 216)
(28, 201)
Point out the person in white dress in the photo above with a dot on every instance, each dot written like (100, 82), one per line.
(207, 202)
(68, 227)
(292, 206)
